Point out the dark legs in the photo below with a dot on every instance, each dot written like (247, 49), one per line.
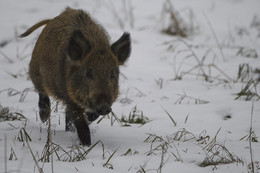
(92, 116)
(44, 106)
(75, 115)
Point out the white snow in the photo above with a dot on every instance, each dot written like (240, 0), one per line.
(199, 107)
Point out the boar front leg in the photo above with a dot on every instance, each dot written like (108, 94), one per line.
(76, 114)
(44, 106)
(92, 116)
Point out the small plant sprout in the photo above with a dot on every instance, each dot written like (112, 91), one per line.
(135, 117)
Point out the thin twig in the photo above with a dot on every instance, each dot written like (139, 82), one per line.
(116, 15)
(6, 57)
(162, 159)
(38, 166)
(194, 55)
(250, 139)
(221, 71)
(215, 36)
(5, 154)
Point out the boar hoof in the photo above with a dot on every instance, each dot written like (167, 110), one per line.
(44, 106)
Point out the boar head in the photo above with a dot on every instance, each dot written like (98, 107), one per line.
(92, 71)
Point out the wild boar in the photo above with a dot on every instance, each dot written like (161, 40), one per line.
(74, 62)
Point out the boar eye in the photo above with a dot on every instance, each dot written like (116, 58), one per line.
(89, 74)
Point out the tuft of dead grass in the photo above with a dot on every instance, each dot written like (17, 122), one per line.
(174, 24)
(6, 114)
(218, 154)
(249, 91)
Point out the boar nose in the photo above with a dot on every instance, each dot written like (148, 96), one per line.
(103, 110)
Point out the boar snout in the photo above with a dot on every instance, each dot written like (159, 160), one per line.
(102, 103)
(103, 110)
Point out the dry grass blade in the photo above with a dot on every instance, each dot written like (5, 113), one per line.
(177, 158)
(107, 164)
(189, 99)
(48, 148)
(5, 154)
(203, 137)
(216, 38)
(199, 63)
(130, 152)
(6, 57)
(250, 140)
(36, 163)
(201, 68)
(141, 170)
(93, 146)
(12, 155)
(186, 119)
(14, 92)
(169, 115)
(246, 92)
(78, 153)
(247, 52)
(116, 119)
(153, 138)
(213, 141)
(23, 136)
(244, 72)
(164, 144)
(164, 148)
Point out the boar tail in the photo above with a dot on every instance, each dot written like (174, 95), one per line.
(34, 27)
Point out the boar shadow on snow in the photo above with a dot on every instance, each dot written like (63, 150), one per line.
(74, 62)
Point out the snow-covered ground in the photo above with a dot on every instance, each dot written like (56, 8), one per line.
(186, 87)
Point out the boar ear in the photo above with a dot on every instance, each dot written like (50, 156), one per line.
(78, 46)
(122, 48)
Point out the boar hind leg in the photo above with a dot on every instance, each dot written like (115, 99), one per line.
(76, 114)
(44, 106)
